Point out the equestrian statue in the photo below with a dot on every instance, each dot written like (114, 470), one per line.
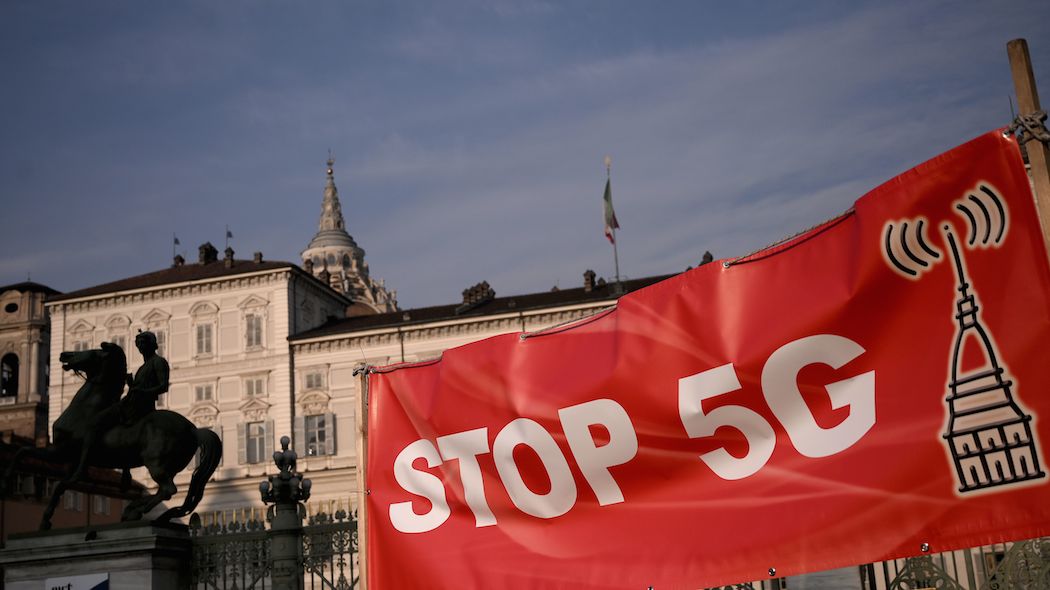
(101, 429)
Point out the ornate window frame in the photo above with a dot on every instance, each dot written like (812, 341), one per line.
(158, 322)
(254, 307)
(81, 335)
(118, 330)
(205, 319)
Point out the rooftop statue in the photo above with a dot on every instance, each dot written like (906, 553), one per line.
(101, 429)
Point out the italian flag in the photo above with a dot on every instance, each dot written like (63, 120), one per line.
(610, 215)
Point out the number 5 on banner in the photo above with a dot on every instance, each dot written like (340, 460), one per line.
(780, 388)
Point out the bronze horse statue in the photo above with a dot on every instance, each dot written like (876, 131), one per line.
(164, 442)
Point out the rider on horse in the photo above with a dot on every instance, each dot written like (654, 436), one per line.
(144, 387)
(92, 431)
(149, 382)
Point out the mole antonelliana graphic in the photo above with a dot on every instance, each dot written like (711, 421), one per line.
(989, 434)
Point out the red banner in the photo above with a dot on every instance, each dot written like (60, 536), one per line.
(876, 387)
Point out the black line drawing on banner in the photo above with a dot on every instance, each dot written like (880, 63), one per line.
(991, 218)
(909, 252)
(988, 434)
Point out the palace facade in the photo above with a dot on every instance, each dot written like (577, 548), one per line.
(263, 349)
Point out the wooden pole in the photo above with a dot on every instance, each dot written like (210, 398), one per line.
(362, 466)
(1038, 154)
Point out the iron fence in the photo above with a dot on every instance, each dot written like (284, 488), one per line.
(1024, 565)
(228, 556)
(236, 554)
(330, 551)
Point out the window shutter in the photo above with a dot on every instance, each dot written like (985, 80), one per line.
(329, 427)
(242, 444)
(268, 441)
(299, 435)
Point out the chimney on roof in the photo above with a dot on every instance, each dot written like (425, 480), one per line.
(228, 260)
(207, 253)
(179, 261)
(257, 257)
(708, 257)
(476, 296)
(588, 280)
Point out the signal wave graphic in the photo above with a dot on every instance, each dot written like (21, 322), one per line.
(907, 250)
(985, 213)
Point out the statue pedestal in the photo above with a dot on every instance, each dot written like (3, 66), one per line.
(133, 555)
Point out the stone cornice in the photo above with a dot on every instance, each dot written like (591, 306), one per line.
(172, 291)
(446, 329)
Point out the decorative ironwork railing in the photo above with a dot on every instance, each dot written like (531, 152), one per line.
(236, 555)
(230, 555)
(1024, 565)
(330, 551)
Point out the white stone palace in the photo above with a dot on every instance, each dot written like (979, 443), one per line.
(261, 349)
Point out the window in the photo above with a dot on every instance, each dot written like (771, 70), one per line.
(316, 429)
(204, 339)
(256, 442)
(254, 387)
(204, 392)
(315, 434)
(72, 500)
(254, 326)
(8, 378)
(314, 380)
(99, 504)
(162, 341)
(117, 328)
(79, 345)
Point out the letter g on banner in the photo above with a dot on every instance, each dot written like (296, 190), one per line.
(780, 387)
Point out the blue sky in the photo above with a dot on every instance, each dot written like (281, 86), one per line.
(469, 136)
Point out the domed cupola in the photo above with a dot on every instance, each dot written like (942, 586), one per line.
(333, 252)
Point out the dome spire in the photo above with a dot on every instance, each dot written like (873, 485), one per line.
(334, 257)
(331, 212)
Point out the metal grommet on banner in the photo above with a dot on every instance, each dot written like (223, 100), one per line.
(772, 572)
(725, 264)
(925, 547)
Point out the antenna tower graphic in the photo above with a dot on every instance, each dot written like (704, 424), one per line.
(989, 435)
